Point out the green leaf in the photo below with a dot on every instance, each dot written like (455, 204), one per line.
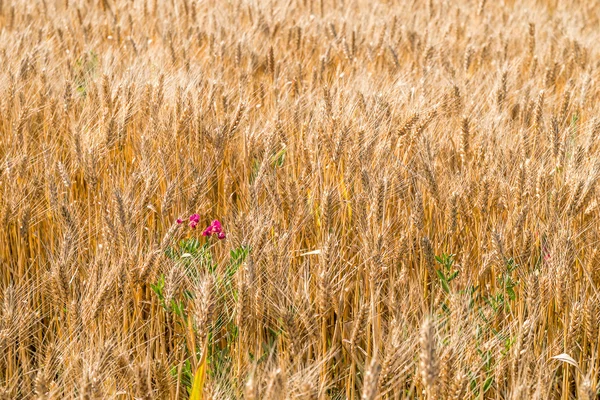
(511, 293)
(236, 258)
(254, 170)
(158, 287)
(443, 281)
(279, 157)
(453, 275)
(488, 384)
(186, 374)
(188, 294)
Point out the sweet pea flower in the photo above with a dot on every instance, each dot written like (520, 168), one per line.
(215, 228)
(194, 220)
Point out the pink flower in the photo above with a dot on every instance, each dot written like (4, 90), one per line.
(195, 218)
(215, 228)
(193, 224)
(179, 221)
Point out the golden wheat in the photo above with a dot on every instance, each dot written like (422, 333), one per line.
(407, 191)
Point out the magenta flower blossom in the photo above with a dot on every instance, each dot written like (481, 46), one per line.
(194, 220)
(215, 228)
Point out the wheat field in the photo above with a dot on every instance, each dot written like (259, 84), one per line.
(299, 199)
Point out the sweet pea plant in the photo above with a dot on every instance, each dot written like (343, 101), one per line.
(215, 228)
(204, 315)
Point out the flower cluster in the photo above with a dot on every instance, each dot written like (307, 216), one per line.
(194, 220)
(215, 228)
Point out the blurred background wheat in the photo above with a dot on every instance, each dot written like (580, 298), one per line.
(408, 188)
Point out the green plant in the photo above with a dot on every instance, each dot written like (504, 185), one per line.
(447, 273)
